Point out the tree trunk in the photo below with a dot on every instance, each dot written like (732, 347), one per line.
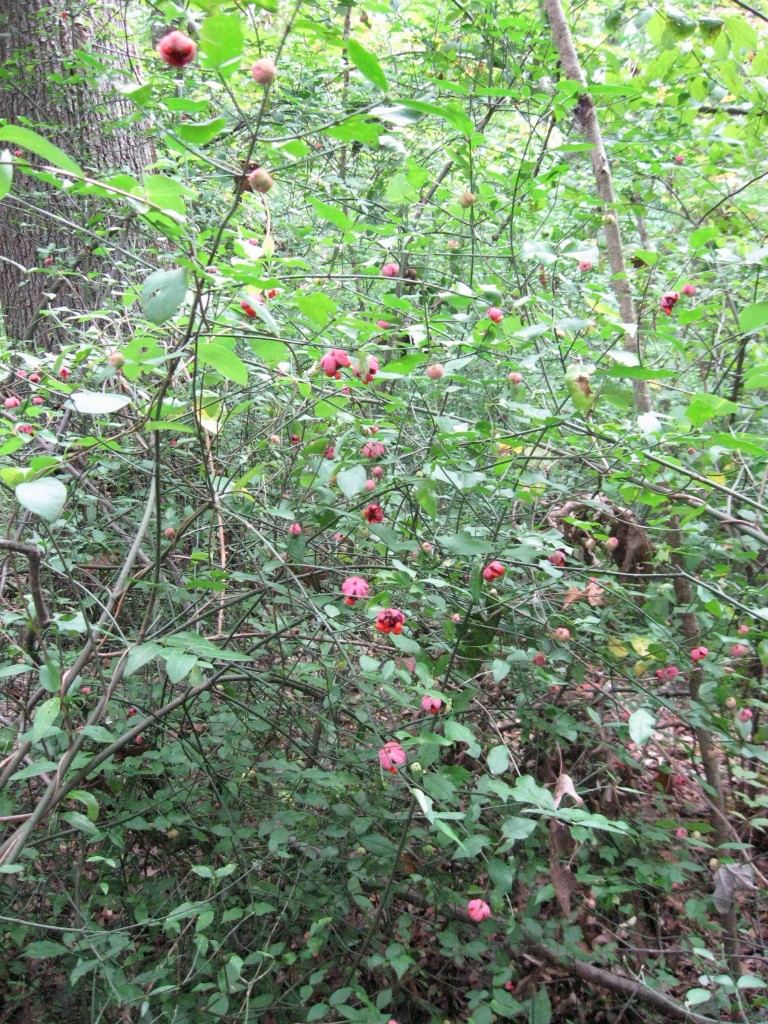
(55, 249)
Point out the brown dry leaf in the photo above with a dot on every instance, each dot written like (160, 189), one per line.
(565, 787)
(593, 593)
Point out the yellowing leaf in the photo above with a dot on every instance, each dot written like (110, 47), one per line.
(617, 650)
(641, 645)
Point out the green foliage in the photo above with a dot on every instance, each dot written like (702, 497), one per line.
(199, 824)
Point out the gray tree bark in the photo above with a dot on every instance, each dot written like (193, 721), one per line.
(46, 86)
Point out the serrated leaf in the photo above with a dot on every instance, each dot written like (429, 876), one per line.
(226, 362)
(46, 497)
(98, 403)
(351, 481)
(162, 293)
(641, 726)
(367, 64)
(540, 1010)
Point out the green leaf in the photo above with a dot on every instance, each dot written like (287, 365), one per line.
(641, 726)
(6, 172)
(465, 544)
(367, 64)
(498, 759)
(640, 373)
(317, 307)
(98, 403)
(221, 41)
(517, 828)
(81, 823)
(199, 134)
(334, 215)
(50, 679)
(705, 407)
(45, 716)
(452, 113)
(33, 770)
(753, 317)
(41, 147)
(44, 497)
(88, 800)
(178, 665)
(402, 367)
(162, 293)
(269, 350)
(141, 655)
(228, 364)
(528, 791)
(459, 733)
(540, 1010)
(44, 950)
(351, 481)
(401, 191)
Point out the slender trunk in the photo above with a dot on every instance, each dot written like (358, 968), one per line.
(587, 117)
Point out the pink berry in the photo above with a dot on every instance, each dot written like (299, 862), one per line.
(264, 71)
(391, 756)
(681, 833)
(455, 617)
(294, 529)
(698, 654)
(354, 588)
(12, 402)
(478, 910)
(452, 243)
(431, 704)
(493, 571)
(557, 559)
(390, 270)
(739, 650)
(679, 158)
(260, 180)
(562, 634)
(515, 377)
(667, 302)
(383, 324)
(377, 472)
(48, 261)
(34, 378)
(745, 715)
(435, 371)
(248, 309)
(85, 689)
(370, 485)
(688, 289)
(495, 314)
(743, 630)
(177, 49)
(612, 543)
(585, 265)
(539, 660)
(63, 373)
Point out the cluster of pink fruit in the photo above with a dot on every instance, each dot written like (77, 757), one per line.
(337, 359)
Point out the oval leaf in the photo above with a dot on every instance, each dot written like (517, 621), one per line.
(96, 403)
(367, 64)
(41, 147)
(43, 497)
(227, 363)
(162, 293)
(6, 172)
